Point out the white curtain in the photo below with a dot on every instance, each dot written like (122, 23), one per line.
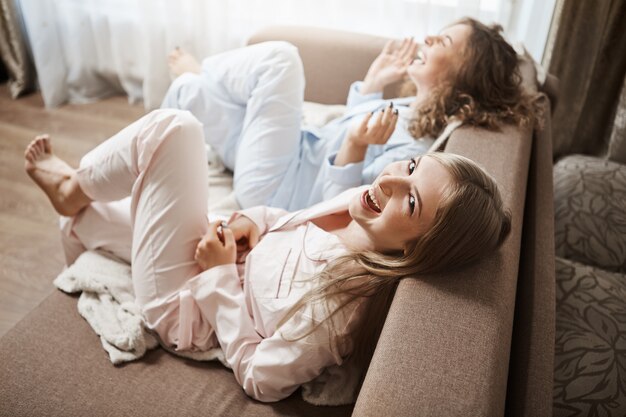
(87, 49)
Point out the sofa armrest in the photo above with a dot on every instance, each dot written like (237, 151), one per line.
(332, 59)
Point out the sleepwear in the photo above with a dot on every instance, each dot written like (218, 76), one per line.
(159, 161)
(249, 101)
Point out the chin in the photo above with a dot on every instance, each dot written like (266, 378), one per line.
(354, 206)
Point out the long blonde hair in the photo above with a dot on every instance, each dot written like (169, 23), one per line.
(455, 239)
(486, 90)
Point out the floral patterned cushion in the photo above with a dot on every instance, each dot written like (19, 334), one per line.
(590, 211)
(590, 351)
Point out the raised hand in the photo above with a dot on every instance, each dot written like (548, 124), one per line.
(246, 234)
(217, 247)
(390, 66)
(364, 133)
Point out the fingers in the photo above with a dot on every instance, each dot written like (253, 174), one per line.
(391, 126)
(365, 122)
(388, 48)
(385, 124)
(213, 228)
(253, 239)
(409, 50)
(228, 238)
(404, 47)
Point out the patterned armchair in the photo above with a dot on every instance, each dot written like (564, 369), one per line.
(590, 235)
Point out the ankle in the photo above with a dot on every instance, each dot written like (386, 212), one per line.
(73, 196)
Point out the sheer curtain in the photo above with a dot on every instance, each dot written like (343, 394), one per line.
(87, 49)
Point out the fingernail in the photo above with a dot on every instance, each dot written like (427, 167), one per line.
(224, 224)
(391, 105)
(395, 111)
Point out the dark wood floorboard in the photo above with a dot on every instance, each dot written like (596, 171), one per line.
(30, 251)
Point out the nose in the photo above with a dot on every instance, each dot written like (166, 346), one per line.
(390, 184)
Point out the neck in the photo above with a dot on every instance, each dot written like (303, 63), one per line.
(421, 96)
(353, 236)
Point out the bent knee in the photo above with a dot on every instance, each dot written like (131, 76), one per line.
(163, 123)
(287, 55)
(185, 81)
(183, 91)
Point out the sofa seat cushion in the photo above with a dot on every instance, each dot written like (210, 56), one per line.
(590, 351)
(590, 211)
(53, 365)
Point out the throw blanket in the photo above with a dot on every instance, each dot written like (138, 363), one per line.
(108, 304)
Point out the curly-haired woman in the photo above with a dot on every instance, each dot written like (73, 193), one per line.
(250, 100)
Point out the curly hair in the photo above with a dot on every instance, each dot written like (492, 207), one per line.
(486, 91)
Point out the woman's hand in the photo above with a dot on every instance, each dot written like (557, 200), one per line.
(217, 247)
(390, 66)
(363, 133)
(246, 234)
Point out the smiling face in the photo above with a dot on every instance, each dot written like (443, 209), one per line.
(439, 57)
(401, 204)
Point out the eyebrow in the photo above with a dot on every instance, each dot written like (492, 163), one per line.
(448, 36)
(417, 194)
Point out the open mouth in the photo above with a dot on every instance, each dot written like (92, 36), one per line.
(369, 200)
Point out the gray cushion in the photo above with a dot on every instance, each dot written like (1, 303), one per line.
(590, 211)
(590, 351)
(617, 142)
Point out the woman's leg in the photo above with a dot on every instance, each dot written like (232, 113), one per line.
(99, 226)
(249, 101)
(159, 162)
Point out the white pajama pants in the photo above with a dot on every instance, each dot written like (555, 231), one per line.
(159, 161)
(249, 101)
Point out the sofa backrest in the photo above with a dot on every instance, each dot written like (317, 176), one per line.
(445, 348)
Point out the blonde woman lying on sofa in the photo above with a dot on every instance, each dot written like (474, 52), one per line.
(250, 101)
(312, 287)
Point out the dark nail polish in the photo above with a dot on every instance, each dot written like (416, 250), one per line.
(395, 112)
(391, 105)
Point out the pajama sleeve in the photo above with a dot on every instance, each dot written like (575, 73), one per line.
(337, 179)
(355, 97)
(264, 217)
(268, 369)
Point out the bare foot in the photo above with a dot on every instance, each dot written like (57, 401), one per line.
(54, 176)
(180, 61)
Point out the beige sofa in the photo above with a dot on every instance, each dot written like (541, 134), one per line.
(479, 342)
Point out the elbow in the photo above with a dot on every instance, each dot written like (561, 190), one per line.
(267, 387)
(266, 393)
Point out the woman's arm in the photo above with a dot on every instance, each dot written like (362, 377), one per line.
(268, 369)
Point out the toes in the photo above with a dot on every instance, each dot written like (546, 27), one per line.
(47, 144)
(29, 148)
(39, 145)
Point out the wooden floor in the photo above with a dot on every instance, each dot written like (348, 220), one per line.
(30, 251)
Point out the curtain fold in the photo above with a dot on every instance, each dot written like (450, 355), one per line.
(14, 50)
(589, 58)
(86, 49)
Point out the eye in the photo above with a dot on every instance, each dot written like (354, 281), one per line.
(411, 203)
(411, 166)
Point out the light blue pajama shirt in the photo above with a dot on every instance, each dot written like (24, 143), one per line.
(312, 176)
